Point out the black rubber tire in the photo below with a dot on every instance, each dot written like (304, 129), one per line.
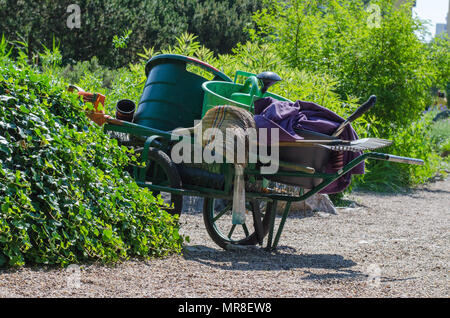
(252, 239)
(171, 172)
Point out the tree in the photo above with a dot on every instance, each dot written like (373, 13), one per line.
(153, 23)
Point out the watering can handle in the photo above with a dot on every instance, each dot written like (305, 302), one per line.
(252, 83)
(208, 68)
(155, 60)
(243, 74)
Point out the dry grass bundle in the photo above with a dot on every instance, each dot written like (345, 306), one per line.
(227, 130)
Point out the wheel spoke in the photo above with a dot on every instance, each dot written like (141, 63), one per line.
(231, 231)
(222, 212)
(218, 221)
(247, 234)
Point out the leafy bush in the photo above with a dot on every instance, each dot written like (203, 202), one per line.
(339, 38)
(64, 194)
(445, 147)
(440, 131)
(104, 25)
(74, 73)
(412, 141)
(439, 58)
(440, 135)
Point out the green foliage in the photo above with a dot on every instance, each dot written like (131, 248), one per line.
(439, 58)
(412, 141)
(339, 38)
(50, 58)
(65, 196)
(445, 146)
(360, 54)
(390, 63)
(75, 73)
(105, 25)
(120, 42)
(440, 135)
(220, 24)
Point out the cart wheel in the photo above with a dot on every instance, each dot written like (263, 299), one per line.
(217, 218)
(162, 171)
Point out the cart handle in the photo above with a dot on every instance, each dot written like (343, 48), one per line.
(388, 157)
(191, 60)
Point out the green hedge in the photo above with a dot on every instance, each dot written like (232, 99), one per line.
(154, 23)
(64, 194)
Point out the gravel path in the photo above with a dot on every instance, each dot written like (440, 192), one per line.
(389, 246)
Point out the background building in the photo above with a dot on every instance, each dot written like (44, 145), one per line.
(441, 28)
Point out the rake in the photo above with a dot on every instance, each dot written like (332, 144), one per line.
(341, 145)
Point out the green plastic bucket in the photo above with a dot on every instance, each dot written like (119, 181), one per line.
(173, 96)
(225, 93)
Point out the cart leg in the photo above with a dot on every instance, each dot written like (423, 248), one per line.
(273, 245)
(281, 226)
(273, 214)
(259, 228)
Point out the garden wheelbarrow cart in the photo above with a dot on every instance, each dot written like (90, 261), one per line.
(177, 94)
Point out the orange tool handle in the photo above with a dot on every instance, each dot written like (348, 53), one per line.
(97, 116)
(94, 98)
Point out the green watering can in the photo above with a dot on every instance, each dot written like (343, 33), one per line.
(241, 95)
(173, 95)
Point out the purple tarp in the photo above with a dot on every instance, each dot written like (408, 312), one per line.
(287, 116)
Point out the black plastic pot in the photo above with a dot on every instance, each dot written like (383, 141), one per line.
(125, 109)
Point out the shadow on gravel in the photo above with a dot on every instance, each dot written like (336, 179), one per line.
(419, 192)
(424, 192)
(257, 259)
(435, 190)
(332, 267)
